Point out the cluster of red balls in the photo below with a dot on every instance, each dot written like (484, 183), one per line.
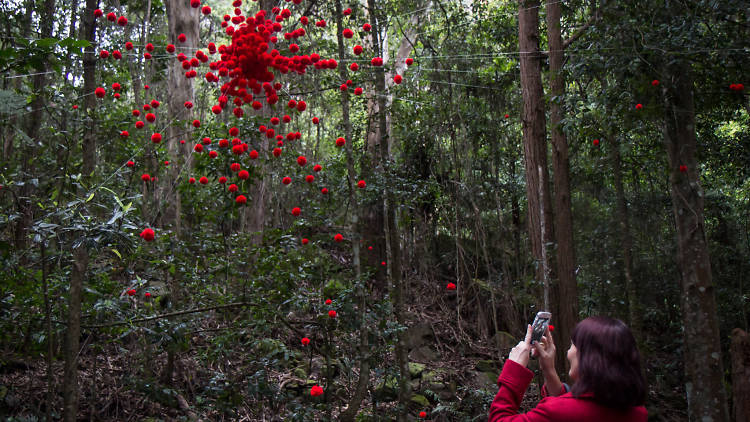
(112, 17)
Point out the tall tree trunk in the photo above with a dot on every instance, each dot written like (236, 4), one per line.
(256, 212)
(390, 228)
(740, 356)
(539, 211)
(363, 359)
(567, 288)
(703, 365)
(180, 20)
(89, 84)
(73, 334)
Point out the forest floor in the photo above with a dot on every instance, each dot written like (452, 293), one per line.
(121, 379)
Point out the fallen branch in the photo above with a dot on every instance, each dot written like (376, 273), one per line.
(171, 314)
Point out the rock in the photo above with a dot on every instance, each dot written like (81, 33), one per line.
(388, 389)
(420, 401)
(319, 369)
(418, 335)
(487, 366)
(424, 354)
(484, 380)
(299, 372)
(416, 369)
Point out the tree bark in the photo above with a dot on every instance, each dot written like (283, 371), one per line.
(73, 334)
(89, 84)
(703, 365)
(363, 359)
(567, 287)
(180, 20)
(539, 211)
(390, 228)
(740, 355)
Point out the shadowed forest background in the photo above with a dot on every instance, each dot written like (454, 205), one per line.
(350, 210)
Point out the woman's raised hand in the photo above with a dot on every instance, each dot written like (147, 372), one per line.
(545, 350)
(520, 353)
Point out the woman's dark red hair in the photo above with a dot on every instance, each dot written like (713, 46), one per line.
(609, 365)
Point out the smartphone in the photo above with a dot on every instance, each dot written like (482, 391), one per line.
(539, 327)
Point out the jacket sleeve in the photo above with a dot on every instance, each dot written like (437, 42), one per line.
(545, 392)
(513, 382)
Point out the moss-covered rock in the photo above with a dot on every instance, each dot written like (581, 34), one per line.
(416, 369)
(420, 401)
(387, 390)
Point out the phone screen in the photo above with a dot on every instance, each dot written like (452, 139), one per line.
(540, 325)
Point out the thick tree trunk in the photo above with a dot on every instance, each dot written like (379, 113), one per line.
(539, 211)
(390, 229)
(703, 365)
(363, 359)
(740, 355)
(180, 20)
(567, 287)
(73, 334)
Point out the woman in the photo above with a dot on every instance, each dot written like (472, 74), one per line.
(605, 369)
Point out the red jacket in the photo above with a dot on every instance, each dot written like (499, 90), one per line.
(515, 379)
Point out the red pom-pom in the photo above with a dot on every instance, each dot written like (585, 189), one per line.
(148, 235)
(316, 390)
(451, 286)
